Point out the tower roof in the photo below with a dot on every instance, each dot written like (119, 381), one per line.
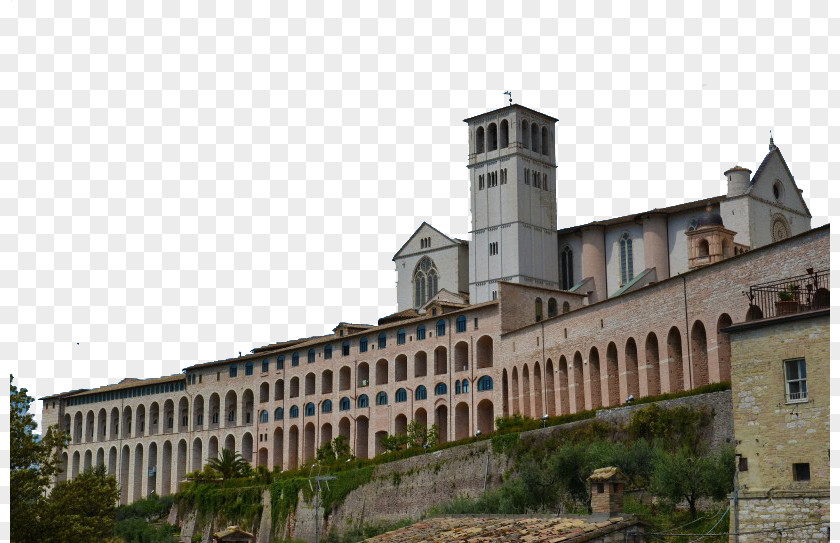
(513, 106)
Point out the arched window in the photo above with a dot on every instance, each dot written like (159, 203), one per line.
(421, 332)
(492, 141)
(566, 274)
(401, 336)
(566, 307)
(703, 248)
(457, 387)
(420, 393)
(432, 284)
(295, 359)
(538, 314)
(425, 281)
(381, 398)
(328, 352)
(294, 412)
(345, 348)
(363, 345)
(281, 362)
(263, 416)
(525, 129)
(265, 364)
(362, 401)
(441, 327)
(344, 404)
(461, 324)
(383, 339)
(278, 413)
(544, 140)
(626, 246)
(479, 140)
(552, 307)
(400, 396)
(309, 410)
(465, 386)
(503, 134)
(535, 138)
(310, 356)
(326, 407)
(440, 389)
(485, 383)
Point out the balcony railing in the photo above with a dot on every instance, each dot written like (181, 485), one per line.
(788, 296)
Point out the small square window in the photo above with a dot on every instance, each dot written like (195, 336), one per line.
(743, 465)
(802, 472)
(600, 488)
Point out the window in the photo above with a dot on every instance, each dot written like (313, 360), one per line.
(566, 307)
(382, 340)
(295, 359)
(382, 398)
(199, 420)
(441, 327)
(626, 246)
(420, 393)
(281, 360)
(344, 404)
(233, 370)
(263, 416)
(537, 183)
(231, 417)
(552, 307)
(310, 356)
(503, 171)
(494, 248)
(265, 366)
(440, 389)
(566, 273)
(326, 407)
(294, 412)
(802, 472)
(495, 294)
(345, 348)
(544, 140)
(485, 383)
(465, 386)
(545, 181)
(216, 417)
(538, 314)
(421, 332)
(401, 336)
(492, 140)
(309, 410)
(278, 413)
(503, 133)
(249, 368)
(475, 323)
(425, 281)
(527, 176)
(400, 395)
(481, 182)
(362, 402)
(461, 324)
(363, 345)
(457, 387)
(795, 380)
(328, 352)
(479, 140)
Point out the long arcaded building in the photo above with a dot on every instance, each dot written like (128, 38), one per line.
(523, 319)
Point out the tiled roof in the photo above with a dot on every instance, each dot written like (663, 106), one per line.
(607, 474)
(505, 528)
(125, 383)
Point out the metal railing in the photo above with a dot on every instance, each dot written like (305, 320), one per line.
(791, 295)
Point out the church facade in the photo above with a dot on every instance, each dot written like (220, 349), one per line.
(523, 319)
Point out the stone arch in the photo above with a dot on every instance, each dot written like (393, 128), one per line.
(613, 396)
(440, 360)
(277, 457)
(421, 417)
(724, 349)
(326, 434)
(699, 355)
(65, 466)
(198, 412)
(77, 465)
(100, 457)
(675, 360)
(484, 416)
(577, 382)
(654, 387)
(264, 392)
(294, 439)
(112, 462)
(213, 447)
(362, 374)
(503, 133)
(197, 455)
(344, 428)
(550, 400)
(631, 367)
(262, 457)
(400, 425)
(154, 419)
(538, 391)
(526, 128)
(535, 138)
(492, 137)
(90, 426)
(544, 140)
(514, 389)
(125, 459)
(137, 493)
(461, 355)
(230, 408)
(381, 372)
(248, 447)
(420, 366)
(344, 378)
(88, 460)
(479, 140)
(151, 473)
(184, 413)
(308, 442)
(462, 421)
(594, 375)
(181, 464)
(168, 416)
(126, 423)
(378, 445)
(526, 391)
(309, 384)
(78, 425)
(484, 352)
(294, 387)
(326, 382)
(754, 313)
(401, 368)
(279, 390)
(102, 425)
(214, 411)
(442, 421)
(505, 393)
(362, 427)
(563, 385)
(247, 406)
(230, 442)
(166, 469)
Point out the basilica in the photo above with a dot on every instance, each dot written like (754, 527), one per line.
(523, 318)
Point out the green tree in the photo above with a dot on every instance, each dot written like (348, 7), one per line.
(83, 509)
(230, 464)
(682, 475)
(34, 461)
(420, 435)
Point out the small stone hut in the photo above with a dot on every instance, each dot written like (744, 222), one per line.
(606, 487)
(232, 534)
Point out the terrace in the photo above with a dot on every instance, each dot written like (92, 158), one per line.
(789, 296)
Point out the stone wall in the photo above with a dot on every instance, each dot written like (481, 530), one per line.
(788, 517)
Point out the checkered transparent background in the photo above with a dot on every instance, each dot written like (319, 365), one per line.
(181, 181)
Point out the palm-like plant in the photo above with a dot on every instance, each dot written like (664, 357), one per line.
(229, 464)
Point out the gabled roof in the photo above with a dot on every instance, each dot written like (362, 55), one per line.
(775, 151)
(447, 298)
(453, 241)
(399, 316)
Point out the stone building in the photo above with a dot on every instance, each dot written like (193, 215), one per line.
(622, 312)
(780, 392)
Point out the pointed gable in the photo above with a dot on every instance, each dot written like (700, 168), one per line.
(772, 171)
(426, 231)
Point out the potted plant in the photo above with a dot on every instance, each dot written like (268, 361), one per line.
(788, 301)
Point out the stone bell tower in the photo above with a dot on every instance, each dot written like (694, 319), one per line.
(513, 200)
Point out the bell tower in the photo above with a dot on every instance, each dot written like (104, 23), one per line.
(513, 200)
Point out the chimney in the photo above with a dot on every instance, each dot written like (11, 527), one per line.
(606, 487)
(737, 181)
